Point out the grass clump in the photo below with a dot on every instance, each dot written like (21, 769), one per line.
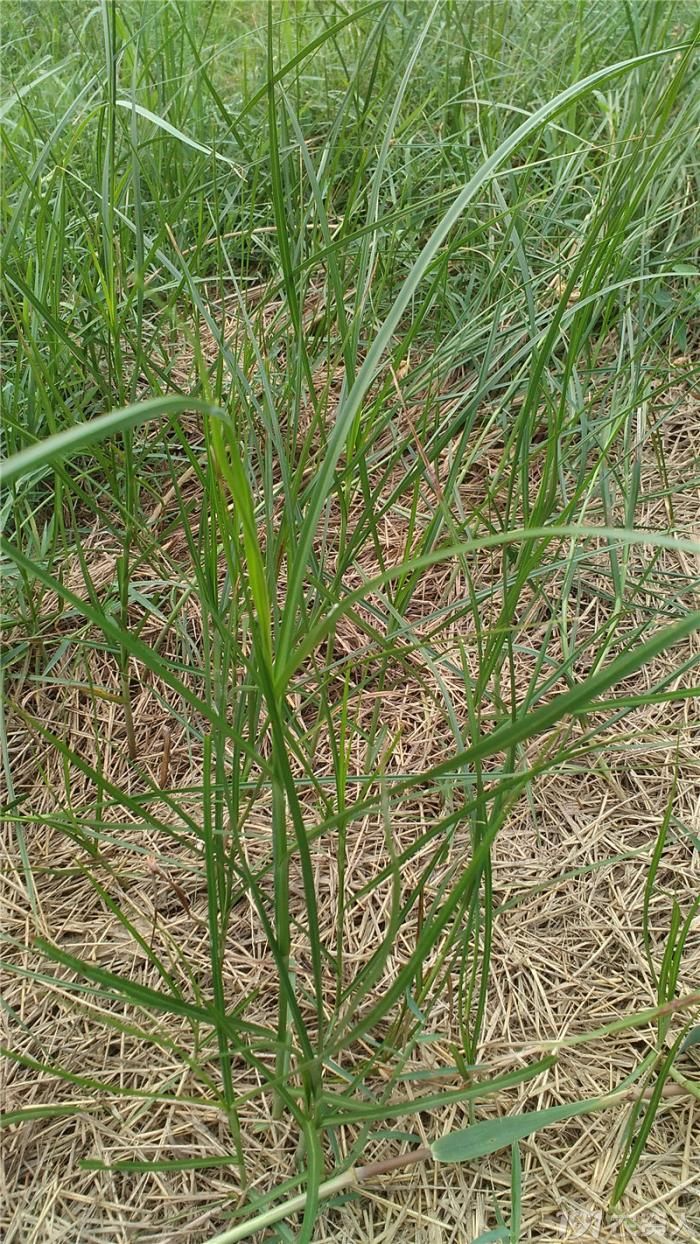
(350, 595)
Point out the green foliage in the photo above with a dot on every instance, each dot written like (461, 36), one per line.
(472, 222)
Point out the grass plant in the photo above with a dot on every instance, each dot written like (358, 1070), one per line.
(350, 361)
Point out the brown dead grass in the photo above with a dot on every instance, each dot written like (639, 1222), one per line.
(569, 873)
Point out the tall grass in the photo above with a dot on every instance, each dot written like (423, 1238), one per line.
(383, 239)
